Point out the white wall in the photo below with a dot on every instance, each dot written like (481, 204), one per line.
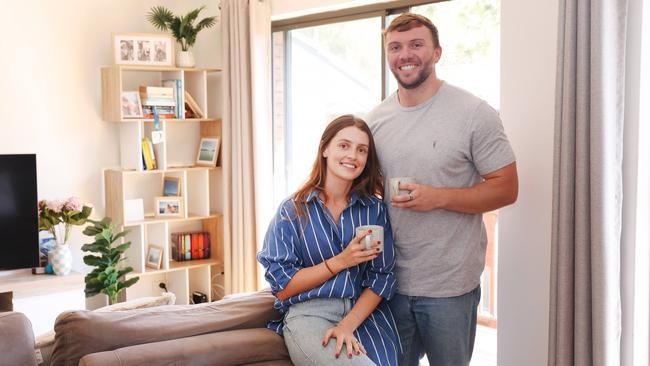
(50, 88)
(528, 56)
(528, 64)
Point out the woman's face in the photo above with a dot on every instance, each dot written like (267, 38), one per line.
(347, 153)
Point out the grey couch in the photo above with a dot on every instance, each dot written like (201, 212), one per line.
(226, 332)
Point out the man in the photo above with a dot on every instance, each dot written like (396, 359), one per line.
(454, 145)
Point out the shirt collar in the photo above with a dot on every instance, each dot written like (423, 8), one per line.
(354, 198)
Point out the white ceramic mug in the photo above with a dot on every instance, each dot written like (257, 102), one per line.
(376, 235)
(394, 185)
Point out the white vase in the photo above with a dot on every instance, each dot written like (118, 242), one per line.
(60, 258)
(185, 59)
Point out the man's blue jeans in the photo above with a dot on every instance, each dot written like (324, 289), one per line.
(444, 328)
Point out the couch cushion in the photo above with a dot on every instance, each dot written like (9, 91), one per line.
(235, 347)
(79, 333)
(16, 340)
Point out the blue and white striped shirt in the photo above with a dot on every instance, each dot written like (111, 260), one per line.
(293, 243)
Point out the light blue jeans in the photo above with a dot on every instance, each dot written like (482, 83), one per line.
(304, 328)
(444, 328)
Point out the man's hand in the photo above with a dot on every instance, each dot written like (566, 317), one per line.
(498, 188)
(422, 197)
(343, 334)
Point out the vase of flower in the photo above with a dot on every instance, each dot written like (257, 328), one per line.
(61, 258)
(57, 217)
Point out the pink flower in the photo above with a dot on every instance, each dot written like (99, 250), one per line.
(55, 205)
(74, 204)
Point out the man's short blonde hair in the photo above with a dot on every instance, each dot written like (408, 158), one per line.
(407, 21)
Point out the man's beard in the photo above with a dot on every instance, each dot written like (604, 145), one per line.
(422, 76)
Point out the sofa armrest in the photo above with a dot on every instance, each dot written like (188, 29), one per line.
(235, 347)
(16, 340)
(80, 333)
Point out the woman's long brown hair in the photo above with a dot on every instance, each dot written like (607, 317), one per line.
(369, 182)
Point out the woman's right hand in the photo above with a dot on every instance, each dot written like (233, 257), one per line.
(355, 253)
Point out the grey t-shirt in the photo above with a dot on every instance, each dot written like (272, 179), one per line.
(448, 141)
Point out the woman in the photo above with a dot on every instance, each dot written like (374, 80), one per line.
(327, 284)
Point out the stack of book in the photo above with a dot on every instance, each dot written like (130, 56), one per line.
(148, 155)
(190, 246)
(177, 85)
(161, 98)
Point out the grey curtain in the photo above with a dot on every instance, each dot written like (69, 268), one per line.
(585, 308)
(238, 149)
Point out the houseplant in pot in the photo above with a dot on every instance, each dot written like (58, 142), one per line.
(107, 277)
(183, 29)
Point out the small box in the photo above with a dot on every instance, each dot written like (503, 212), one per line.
(133, 210)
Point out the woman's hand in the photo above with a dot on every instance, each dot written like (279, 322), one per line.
(343, 334)
(355, 253)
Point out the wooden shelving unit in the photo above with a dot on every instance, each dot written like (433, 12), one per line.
(175, 157)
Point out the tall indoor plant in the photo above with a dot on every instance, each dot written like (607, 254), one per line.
(107, 277)
(183, 29)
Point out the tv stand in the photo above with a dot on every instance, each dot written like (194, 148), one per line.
(43, 297)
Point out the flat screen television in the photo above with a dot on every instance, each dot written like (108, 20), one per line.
(18, 212)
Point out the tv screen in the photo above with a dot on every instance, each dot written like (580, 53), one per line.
(18, 212)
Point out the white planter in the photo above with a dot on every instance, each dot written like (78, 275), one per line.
(185, 59)
(61, 259)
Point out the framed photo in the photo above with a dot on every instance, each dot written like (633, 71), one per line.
(171, 186)
(208, 151)
(154, 256)
(131, 105)
(148, 49)
(169, 207)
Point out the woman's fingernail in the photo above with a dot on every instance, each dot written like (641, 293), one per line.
(369, 231)
(337, 355)
(349, 355)
(377, 249)
(357, 352)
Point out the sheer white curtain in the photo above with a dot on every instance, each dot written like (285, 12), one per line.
(242, 113)
(635, 240)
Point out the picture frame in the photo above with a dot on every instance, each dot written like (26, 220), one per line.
(169, 206)
(208, 151)
(145, 49)
(131, 105)
(171, 186)
(154, 256)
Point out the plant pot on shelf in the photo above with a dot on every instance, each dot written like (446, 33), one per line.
(185, 59)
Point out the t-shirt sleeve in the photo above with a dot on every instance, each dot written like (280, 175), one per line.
(490, 147)
(379, 276)
(278, 255)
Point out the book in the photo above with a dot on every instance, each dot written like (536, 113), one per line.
(188, 248)
(193, 106)
(177, 85)
(156, 91)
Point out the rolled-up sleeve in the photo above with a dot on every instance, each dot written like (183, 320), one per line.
(278, 255)
(379, 276)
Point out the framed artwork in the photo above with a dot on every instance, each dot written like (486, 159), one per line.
(131, 105)
(147, 49)
(171, 186)
(169, 207)
(208, 151)
(154, 256)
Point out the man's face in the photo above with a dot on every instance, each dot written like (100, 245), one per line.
(411, 56)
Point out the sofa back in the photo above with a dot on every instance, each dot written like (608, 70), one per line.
(16, 340)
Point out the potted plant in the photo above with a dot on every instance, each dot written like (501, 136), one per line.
(106, 278)
(183, 29)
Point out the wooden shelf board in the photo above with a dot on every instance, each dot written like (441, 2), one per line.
(24, 284)
(163, 68)
(179, 120)
(155, 220)
(170, 170)
(194, 263)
